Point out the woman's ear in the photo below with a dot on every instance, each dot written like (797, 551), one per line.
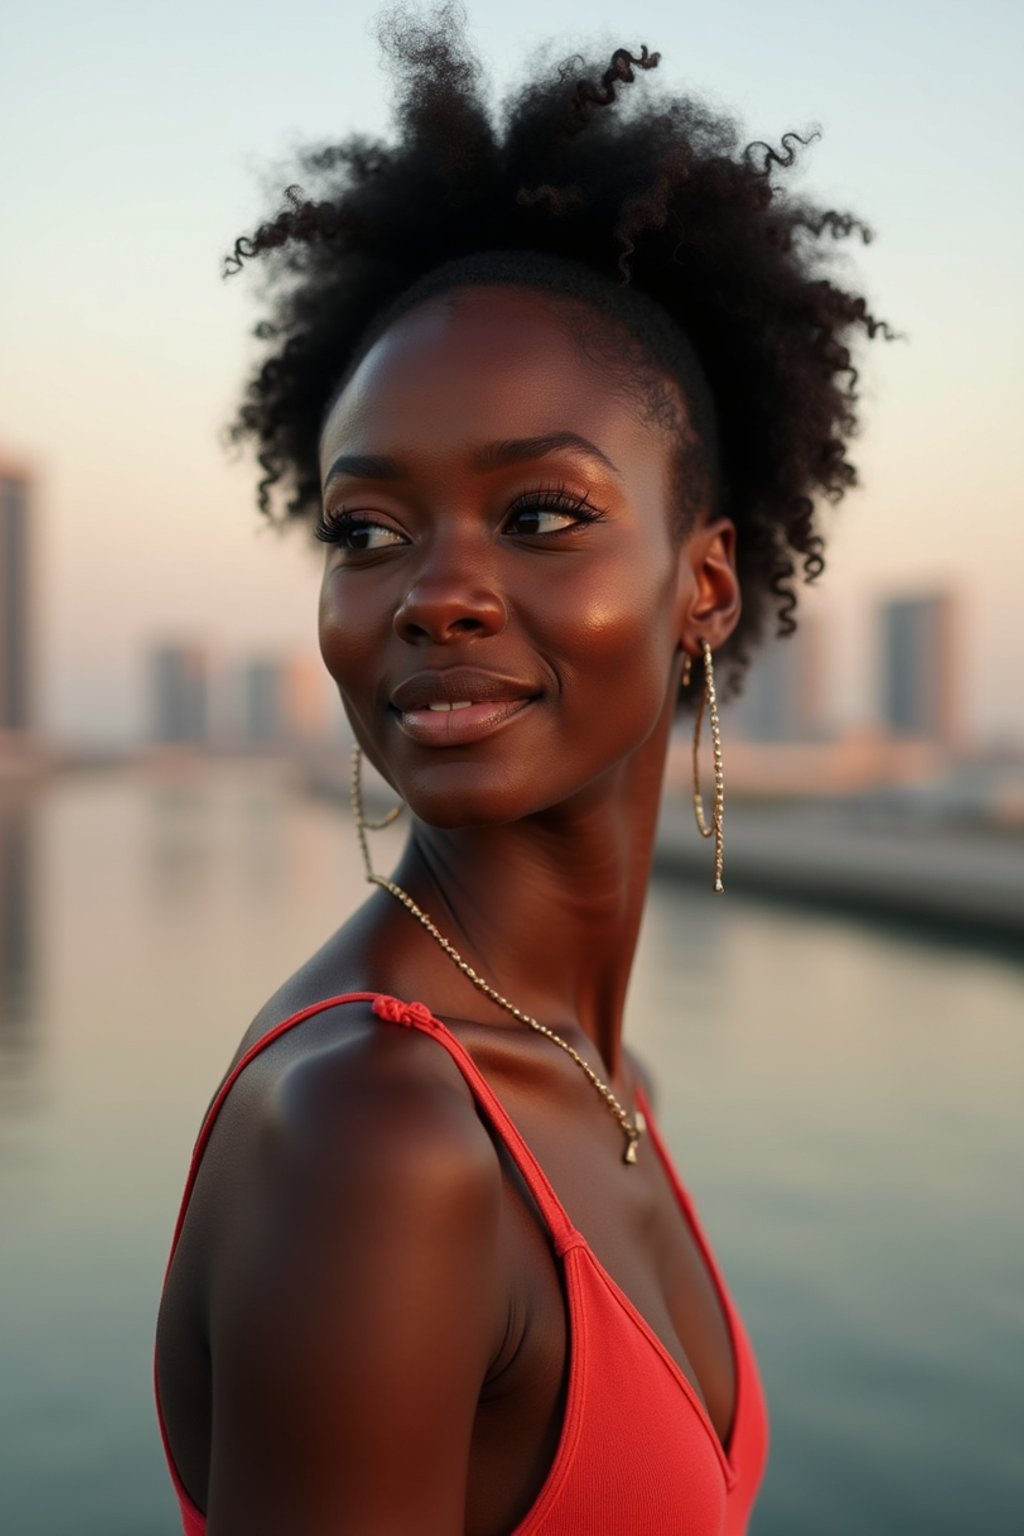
(709, 589)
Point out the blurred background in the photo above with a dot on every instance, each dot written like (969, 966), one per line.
(838, 1042)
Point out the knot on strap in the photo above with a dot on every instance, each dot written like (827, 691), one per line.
(397, 1012)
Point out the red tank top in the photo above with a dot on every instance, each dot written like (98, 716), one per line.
(656, 1468)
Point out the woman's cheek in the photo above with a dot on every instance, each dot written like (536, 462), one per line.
(347, 635)
(621, 623)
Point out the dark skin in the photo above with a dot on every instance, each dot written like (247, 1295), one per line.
(363, 1286)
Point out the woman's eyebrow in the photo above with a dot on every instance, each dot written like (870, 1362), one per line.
(367, 466)
(373, 466)
(516, 450)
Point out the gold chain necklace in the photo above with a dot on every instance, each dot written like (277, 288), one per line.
(633, 1126)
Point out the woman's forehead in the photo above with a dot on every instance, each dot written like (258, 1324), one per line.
(482, 364)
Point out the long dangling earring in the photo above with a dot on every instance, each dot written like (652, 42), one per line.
(362, 825)
(710, 698)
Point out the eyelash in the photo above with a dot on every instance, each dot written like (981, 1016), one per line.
(558, 498)
(332, 528)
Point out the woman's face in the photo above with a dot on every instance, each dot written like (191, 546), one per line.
(503, 603)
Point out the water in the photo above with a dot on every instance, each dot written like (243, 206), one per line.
(843, 1101)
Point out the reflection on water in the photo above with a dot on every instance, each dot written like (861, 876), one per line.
(18, 915)
(844, 1102)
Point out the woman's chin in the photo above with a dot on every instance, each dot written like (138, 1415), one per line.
(457, 796)
(464, 814)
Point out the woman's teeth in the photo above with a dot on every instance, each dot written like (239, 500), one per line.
(462, 704)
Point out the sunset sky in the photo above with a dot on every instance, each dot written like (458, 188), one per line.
(139, 140)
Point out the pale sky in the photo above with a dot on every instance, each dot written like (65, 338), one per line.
(136, 141)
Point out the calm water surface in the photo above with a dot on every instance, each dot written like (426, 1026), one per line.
(843, 1102)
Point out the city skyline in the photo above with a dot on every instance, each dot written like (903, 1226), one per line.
(189, 689)
(196, 694)
(186, 687)
(196, 697)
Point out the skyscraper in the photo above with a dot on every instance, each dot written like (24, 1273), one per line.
(283, 700)
(262, 722)
(782, 699)
(16, 703)
(179, 695)
(918, 687)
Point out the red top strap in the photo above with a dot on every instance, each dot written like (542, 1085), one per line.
(418, 1016)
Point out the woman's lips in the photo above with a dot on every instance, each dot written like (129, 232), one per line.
(462, 721)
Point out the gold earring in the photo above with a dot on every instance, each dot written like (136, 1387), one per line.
(356, 795)
(710, 698)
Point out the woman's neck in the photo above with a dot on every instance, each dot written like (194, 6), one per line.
(547, 909)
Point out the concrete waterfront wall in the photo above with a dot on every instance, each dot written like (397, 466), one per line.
(843, 856)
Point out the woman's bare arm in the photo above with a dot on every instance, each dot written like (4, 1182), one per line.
(357, 1299)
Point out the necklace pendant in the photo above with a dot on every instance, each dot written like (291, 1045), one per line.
(629, 1156)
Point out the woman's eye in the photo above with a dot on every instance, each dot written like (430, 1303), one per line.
(357, 535)
(553, 515)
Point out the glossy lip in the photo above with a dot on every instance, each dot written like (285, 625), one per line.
(488, 701)
(459, 727)
(454, 685)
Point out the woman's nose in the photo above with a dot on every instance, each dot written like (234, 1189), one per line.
(443, 605)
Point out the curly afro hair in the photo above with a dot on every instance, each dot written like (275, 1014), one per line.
(651, 191)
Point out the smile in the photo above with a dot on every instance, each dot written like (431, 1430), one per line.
(454, 706)
(460, 722)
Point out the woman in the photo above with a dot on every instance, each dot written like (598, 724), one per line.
(558, 400)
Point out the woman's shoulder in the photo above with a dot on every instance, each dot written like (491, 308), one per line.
(356, 1087)
(342, 1112)
(323, 1072)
